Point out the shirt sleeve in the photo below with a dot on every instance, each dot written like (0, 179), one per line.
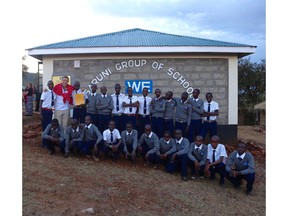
(250, 168)
(186, 147)
(135, 140)
(156, 145)
(190, 155)
(45, 134)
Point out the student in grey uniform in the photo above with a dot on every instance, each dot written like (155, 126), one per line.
(73, 137)
(183, 114)
(179, 158)
(240, 165)
(104, 106)
(196, 115)
(79, 111)
(91, 108)
(130, 141)
(144, 110)
(166, 150)
(157, 113)
(112, 141)
(92, 139)
(216, 158)
(118, 109)
(52, 136)
(197, 156)
(148, 146)
(170, 105)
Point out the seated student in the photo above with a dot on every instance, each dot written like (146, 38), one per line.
(216, 157)
(148, 146)
(92, 139)
(179, 157)
(112, 141)
(130, 140)
(240, 165)
(73, 137)
(54, 135)
(197, 156)
(166, 144)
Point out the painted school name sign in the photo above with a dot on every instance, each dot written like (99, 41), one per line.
(138, 63)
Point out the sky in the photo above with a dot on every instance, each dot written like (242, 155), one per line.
(226, 20)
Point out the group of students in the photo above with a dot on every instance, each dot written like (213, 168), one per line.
(144, 126)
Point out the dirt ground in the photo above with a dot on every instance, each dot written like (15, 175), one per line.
(53, 185)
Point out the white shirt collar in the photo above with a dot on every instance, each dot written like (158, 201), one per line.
(169, 100)
(89, 126)
(200, 147)
(150, 135)
(167, 142)
(103, 95)
(93, 93)
(179, 141)
(127, 133)
(77, 129)
(242, 156)
(195, 99)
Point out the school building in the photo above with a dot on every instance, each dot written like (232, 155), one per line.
(142, 58)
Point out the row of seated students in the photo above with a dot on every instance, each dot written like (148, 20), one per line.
(175, 152)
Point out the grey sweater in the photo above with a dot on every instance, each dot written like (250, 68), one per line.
(169, 109)
(91, 106)
(92, 134)
(153, 142)
(166, 147)
(71, 134)
(183, 111)
(245, 166)
(104, 104)
(49, 132)
(157, 107)
(131, 139)
(199, 155)
(181, 148)
(198, 107)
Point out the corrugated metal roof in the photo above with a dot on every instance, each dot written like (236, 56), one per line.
(138, 38)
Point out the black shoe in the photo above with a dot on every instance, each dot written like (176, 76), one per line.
(184, 178)
(51, 152)
(66, 155)
(248, 192)
(221, 184)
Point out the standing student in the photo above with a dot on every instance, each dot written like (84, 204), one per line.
(52, 136)
(112, 141)
(118, 109)
(144, 110)
(104, 106)
(211, 111)
(46, 105)
(157, 113)
(179, 157)
(130, 141)
(197, 156)
(74, 135)
(91, 105)
(130, 104)
(148, 146)
(216, 158)
(92, 139)
(29, 98)
(166, 150)
(240, 165)
(63, 93)
(169, 112)
(196, 115)
(183, 114)
(79, 111)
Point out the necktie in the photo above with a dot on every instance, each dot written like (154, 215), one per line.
(87, 127)
(145, 105)
(52, 99)
(197, 149)
(208, 117)
(130, 108)
(194, 100)
(117, 103)
(240, 158)
(111, 137)
(213, 156)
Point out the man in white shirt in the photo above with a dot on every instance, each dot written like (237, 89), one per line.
(144, 110)
(130, 104)
(211, 111)
(46, 105)
(112, 141)
(216, 159)
(118, 110)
